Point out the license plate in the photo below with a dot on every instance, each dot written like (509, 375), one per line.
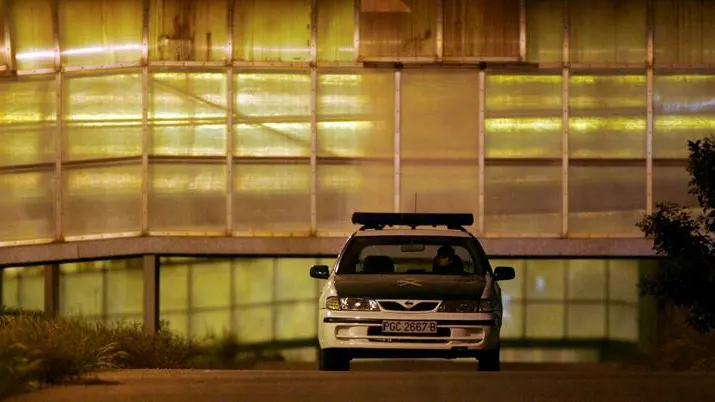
(409, 327)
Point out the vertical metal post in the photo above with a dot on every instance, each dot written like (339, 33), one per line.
(314, 118)
(59, 230)
(356, 28)
(52, 290)
(151, 294)
(649, 111)
(9, 51)
(274, 298)
(314, 31)
(440, 29)
(398, 140)
(565, 84)
(522, 30)
(480, 144)
(565, 301)
(230, 145)
(145, 120)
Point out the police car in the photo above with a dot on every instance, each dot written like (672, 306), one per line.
(410, 285)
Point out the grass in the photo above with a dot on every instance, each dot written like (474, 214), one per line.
(36, 350)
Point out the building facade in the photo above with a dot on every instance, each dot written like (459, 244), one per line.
(249, 131)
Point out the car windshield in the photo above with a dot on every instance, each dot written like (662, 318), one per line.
(414, 255)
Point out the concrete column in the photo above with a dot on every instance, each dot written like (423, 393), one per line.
(151, 294)
(52, 290)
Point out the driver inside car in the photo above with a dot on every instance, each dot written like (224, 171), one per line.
(447, 261)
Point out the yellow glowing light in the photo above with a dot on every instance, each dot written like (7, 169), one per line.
(522, 124)
(83, 180)
(615, 79)
(685, 123)
(202, 182)
(267, 182)
(523, 79)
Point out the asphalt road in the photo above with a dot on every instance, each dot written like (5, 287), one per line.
(408, 383)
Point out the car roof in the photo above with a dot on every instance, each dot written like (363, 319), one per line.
(412, 232)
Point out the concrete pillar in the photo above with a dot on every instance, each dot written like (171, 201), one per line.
(151, 294)
(52, 290)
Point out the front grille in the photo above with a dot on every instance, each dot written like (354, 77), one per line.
(419, 306)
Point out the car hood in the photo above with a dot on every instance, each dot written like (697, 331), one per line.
(421, 287)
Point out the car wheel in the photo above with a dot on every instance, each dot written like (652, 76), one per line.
(333, 360)
(489, 360)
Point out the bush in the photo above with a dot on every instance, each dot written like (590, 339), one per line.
(683, 347)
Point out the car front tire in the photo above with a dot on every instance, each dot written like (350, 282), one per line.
(489, 360)
(333, 360)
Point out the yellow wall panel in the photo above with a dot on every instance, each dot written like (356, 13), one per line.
(684, 32)
(336, 31)
(89, 277)
(125, 287)
(27, 206)
(4, 55)
(481, 28)
(545, 32)
(211, 284)
(32, 35)
(407, 32)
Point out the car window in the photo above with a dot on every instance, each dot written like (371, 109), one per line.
(410, 255)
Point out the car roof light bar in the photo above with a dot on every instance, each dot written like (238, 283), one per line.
(378, 220)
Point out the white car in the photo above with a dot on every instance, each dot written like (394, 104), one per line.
(390, 294)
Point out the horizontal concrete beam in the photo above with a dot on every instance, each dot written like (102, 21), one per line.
(299, 246)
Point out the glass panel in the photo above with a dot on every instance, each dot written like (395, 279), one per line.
(210, 323)
(272, 139)
(255, 278)
(587, 321)
(523, 116)
(336, 30)
(513, 289)
(188, 114)
(27, 206)
(102, 200)
(670, 183)
(683, 106)
(3, 54)
(522, 199)
(31, 288)
(545, 321)
(255, 324)
(345, 188)
(211, 284)
(623, 281)
(587, 279)
(173, 287)
(545, 280)
(623, 323)
(545, 32)
(125, 284)
(293, 283)
(683, 32)
(608, 31)
(176, 322)
(513, 319)
(296, 321)
(110, 32)
(608, 116)
(32, 35)
(394, 29)
(83, 141)
(27, 114)
(481, 28)
(11, 278)
(96, 99)
(88, 276)
(273, 198)
(277, 30)
(188, 30)
(187, 198)
(356, 115)
(591, 212)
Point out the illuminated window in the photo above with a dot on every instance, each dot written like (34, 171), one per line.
(684, 33)
(477, 28)
(32, 34)
(27, 205)
(545, 30)
(336, 30)
(398, 28)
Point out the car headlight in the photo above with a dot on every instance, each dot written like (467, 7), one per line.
(351, 304)
(458, 306)
(487, 305)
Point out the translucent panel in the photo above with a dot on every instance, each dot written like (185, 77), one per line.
(32, 35)
(273, 198)
(187, 198)
(292, 282)
(606, 199)
(623, 281)
(100, 200)
(125, 286)
(513, 289)
(671, 183)
(176, 322)
(608, 116)
(513, 320)
(481, 28)
(272, 139)
(336, 30)
(346, 188)
(265, 96)
(398, 28)
(27, 205)
(608, 31)
(188, 30)
(545, 321)
(86, 276)
(4, 56)
(522, 199)
(255, 324)
(210, 323)
(587, 279)
(31, 288)
(684, 32)
(545, 32)
(276, 30)
(436, 104)
(173, 287)
(188, 113)
(100, 100)
(586, 321)
(684, 109)
(254, 280)
(356, 114)
(296, 320)
(523, 116)
(438, 187)
(110, 32)
(10, 283)
(210, 284)
(623, 323)
(27, 114)
(545, 279)
(83, 141)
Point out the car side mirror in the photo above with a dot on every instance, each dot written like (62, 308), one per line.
(320, 271)
(504, 273)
